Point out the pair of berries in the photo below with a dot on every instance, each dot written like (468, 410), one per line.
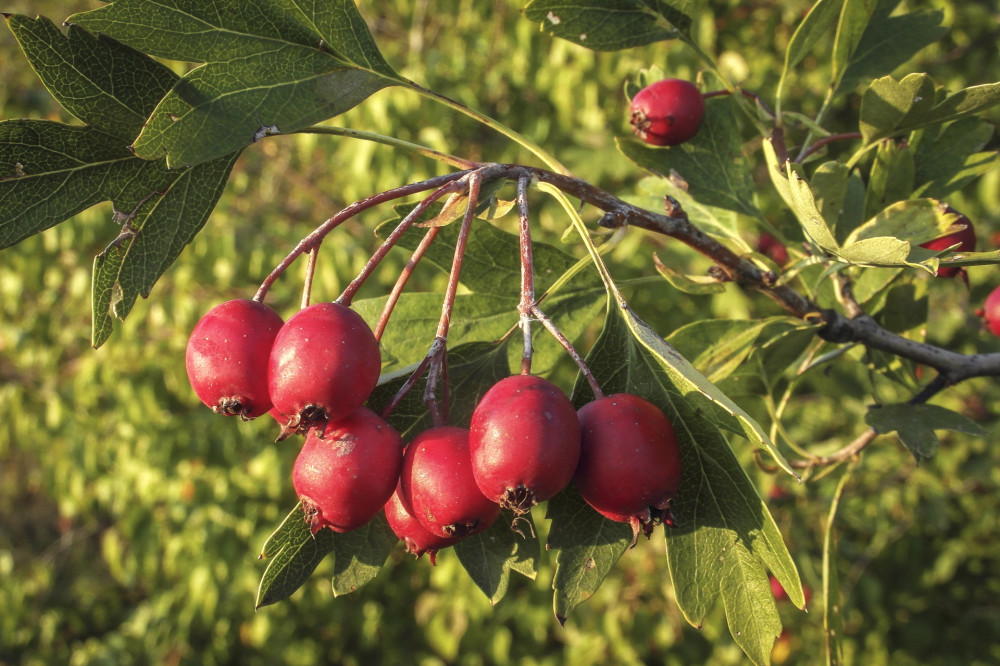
(525, 444)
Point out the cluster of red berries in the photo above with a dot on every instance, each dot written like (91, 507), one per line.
(526, 442)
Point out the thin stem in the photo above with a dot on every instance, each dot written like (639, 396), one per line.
(459, 162)
(320, 232)
(404, 276)
(394, 237)
(819, 143)
(570, 349)
(527, 273)
(518, 138)
(846, 453)
(307, 282)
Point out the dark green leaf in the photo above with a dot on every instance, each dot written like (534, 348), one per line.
(712, 163)
(489, 557)
(610, 25)
(889, 41)
(717, 508)
(915, 425)
(270, 68)
(586, 546)
(891, 177)
(948, 158)
(833, 605)
(360, 554)
(473, 369)
(294, 554)
(85, 75)
(814, 28)
(854, 18)
(152, 238)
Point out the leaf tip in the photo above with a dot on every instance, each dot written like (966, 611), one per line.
(561, 619)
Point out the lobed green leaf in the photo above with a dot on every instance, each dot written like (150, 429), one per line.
(360, 554)
(611, 25)
(490, 556)
(915, 425)
(294, 553)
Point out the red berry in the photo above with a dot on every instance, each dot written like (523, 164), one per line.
(438, 487)
(630, 464)
(525, 442)
(773, 248)
(227, 356)
(344, 476)
(416, 537)
(991, 312)
(667, 112)
(965, 238)
(777, 590)
(324, 364)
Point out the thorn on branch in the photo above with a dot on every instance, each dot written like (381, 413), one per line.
(672, 207)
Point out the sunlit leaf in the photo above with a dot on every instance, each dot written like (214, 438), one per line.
(610, 25)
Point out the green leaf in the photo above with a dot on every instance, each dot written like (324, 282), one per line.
(151, 240)
(947, 158)
(84, 73)
(689, 284)
(854, 18)
(890, 107)
(611, 25)
(916, 221)
(830, 184)
(717, 509)
(490, 556)
(710, 219)
(891, 177)
(800, 197)
(270, 68)
(833, 606)
(813, 29)
(586, 546)
(360, 554)
(294, 554)
(473, 369)
(915, 425)
(889, 41)
(712, 163)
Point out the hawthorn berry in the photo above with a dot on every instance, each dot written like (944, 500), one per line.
(345, 474)
(991, 312)
(770, 246)
(438, 487)
(525, 442)
(965, 238)
(417, 538)
(667, 112)
(227, 356)
(630, 464)
(324, 364)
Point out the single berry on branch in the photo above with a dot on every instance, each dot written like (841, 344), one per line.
(525, 442)
(965, 238)
(668, 112)
(227, 356)
(346, 472)
(630, 463)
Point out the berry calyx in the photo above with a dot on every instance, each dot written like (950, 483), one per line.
(667, 112)
(630, 463)
(991, 312)
(227, 356)
(525, 442)
(324, 364)
(345, 474)
(438, 487)
(416, 537)
(965, 238)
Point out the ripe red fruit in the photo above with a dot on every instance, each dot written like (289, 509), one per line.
(344, 476)
(416, 537)
(965, 238)
(630, 464)
(227, 357)
(667, 112)
(324, 364)
(991, 312)
(438, 487)
(525, 442)
(773, 248)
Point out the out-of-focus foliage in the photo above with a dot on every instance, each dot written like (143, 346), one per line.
(131, 517)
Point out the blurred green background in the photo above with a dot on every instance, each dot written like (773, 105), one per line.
(131, 516)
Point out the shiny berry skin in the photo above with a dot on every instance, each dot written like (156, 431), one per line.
(346, 472)
(667, 112)
(965, 238)
(227, 356)
(416, 537)
(991, 312)
(324, 364)
(525, 442)
(438, 487)
(630, 464)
